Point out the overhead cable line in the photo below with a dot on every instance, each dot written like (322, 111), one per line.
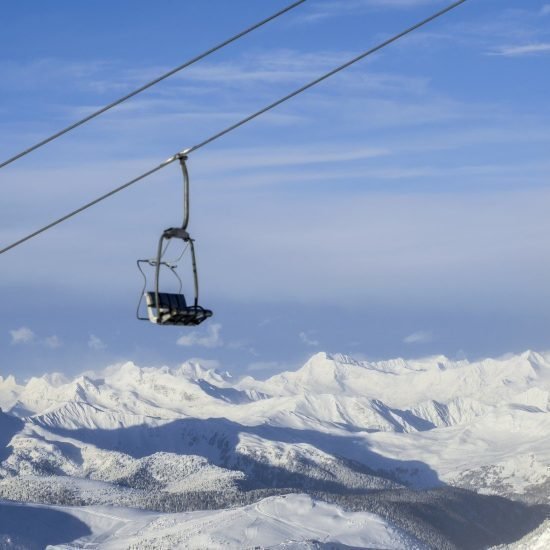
(186, 152)
(151, 83)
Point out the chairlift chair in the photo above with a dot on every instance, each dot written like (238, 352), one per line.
(169, 308)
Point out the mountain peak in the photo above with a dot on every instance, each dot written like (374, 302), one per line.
(8, 382)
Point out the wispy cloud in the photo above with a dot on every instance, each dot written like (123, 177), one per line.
(324, 10)
(420, 337)
(96, 343)
(295, 156)
(545, 10)
(209, 339)
(48, 72)
(23, 335)
(308, 340)
(53, 342)
(526, 49)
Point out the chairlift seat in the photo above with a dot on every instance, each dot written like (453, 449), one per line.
(173, 310)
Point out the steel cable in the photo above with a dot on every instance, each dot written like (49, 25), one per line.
(235, 126)
(150, 84)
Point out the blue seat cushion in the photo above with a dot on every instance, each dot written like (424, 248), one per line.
(173, 310)
(167, 300)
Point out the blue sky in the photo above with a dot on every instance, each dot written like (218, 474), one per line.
(400, 208)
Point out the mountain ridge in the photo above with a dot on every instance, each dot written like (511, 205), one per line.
(172, 439)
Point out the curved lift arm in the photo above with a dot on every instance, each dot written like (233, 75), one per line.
(185, 172)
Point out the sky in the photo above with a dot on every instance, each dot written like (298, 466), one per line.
(398, 209)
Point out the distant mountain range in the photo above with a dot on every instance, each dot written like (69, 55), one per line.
(446, 454)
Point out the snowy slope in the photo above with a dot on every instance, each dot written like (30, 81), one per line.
(293, 521)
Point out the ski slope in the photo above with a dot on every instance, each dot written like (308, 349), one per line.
(293, 521)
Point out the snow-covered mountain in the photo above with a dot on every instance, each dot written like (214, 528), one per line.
(194, 438)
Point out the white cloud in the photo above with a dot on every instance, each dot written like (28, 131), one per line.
(526, 49)
(23, 335)
(211, 339)
(545, 10)
(307, 340)
(96, 343)
(420, 337)
(53, 342)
